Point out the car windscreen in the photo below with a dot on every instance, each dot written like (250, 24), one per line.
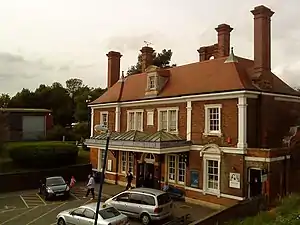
(55, 181)
(163, 199)
(109, 213)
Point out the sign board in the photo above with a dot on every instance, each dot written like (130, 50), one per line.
(195, 179)
(264, 177)
(235, 180)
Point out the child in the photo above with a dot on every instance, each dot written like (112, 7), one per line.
(72, 182)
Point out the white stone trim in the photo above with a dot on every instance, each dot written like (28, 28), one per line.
(135, 111)
(175, 100)
(101, 117)
(110, 172)
(144, 150)
(211, 153)
(221, 194)
(159, 110)
(99, 164)
(150, 113)
(176, 180)
(118, 118)
(231, 150)
(189, 120)
(92, 121)
(263, 159)
(242, 122)
(287, 99)
(207, 131)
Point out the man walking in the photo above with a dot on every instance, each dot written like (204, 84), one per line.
(90, 187)
(129, 178)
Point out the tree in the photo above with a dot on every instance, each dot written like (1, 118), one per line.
(4, 100)
(161, 60)
(73, 85)
(3, 130)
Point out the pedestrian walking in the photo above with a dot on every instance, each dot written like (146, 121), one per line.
(90, 187)
(72, 182)
(129, 178)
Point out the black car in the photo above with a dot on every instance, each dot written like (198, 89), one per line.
(52, 187)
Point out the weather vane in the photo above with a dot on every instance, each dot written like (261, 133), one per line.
(147, 43)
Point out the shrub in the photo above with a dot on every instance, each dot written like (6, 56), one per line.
(81, 131)
(43, 154)
(57, 133)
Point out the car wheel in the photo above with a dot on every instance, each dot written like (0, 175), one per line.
(46, 197)
(61, 222)
(145, 218)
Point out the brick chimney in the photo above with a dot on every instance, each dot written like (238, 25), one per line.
(223, 39)
(147, 57)
(113, 73)
(262, 40)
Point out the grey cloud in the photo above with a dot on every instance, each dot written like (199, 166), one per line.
(134, 42)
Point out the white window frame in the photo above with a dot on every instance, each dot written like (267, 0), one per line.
(176, 174)
(178, 168)
(135, 119)
(152, 78)
(101, 153)
(207, 130)
(150, 117)
(127, 167)
(159, 110)
(101, 118)
(206, 158)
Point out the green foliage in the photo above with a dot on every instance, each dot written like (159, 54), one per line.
(43, 154)
(81, 131)
(68, 104)
(161, 60)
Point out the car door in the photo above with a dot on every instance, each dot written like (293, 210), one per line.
(120, 202)
(134, 207)
(75, 217)
(88, 217)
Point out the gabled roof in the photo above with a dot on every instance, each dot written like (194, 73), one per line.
(196, 78)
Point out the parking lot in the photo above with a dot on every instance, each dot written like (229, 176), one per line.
(28, 208)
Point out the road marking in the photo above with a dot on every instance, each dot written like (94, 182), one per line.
(88, 201)
(10, 210)
(74, 196)
(41, 216)
(15, 217)
(24, 201)
(41, 199)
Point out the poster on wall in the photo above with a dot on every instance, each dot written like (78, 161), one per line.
(235, 180)
(195, 179)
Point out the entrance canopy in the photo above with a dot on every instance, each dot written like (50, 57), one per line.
(160, 142)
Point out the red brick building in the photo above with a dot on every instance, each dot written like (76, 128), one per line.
(213, 128)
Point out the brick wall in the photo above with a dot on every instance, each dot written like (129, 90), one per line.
(241, 210)
(153, 129)
(94, 157)
(269, 120)
(111, 117)
(229, 123)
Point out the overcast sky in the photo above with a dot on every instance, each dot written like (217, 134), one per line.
(43, 41)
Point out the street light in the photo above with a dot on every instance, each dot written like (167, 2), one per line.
(102, 128)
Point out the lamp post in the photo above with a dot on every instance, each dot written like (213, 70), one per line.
(102, 128)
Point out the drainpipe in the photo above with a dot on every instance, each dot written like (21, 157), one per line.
(117, 167)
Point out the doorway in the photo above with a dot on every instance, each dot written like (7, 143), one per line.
(255, 183)
(146, 171)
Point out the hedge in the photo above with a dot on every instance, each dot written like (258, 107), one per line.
(43, 154)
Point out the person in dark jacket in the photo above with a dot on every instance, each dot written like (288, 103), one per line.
(129, 178)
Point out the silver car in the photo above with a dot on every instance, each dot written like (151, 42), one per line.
(145, 204)
(85, 215)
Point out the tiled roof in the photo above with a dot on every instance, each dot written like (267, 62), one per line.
(24, 110)
(196, 78)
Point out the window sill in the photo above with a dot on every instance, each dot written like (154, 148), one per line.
(212, 192)
(212, 134)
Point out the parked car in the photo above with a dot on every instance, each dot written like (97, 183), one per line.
(52, 187)
(85, 214)
(145, 204)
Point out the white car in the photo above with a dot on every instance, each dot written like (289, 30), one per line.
(85, 215)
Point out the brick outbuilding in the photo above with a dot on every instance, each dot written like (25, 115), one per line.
(212, 128)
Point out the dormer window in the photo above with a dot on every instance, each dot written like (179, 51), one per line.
(152, 84)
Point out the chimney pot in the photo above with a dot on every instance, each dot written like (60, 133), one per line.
(113, 73)
(223, 39)
(262, 40)
(147, 57)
